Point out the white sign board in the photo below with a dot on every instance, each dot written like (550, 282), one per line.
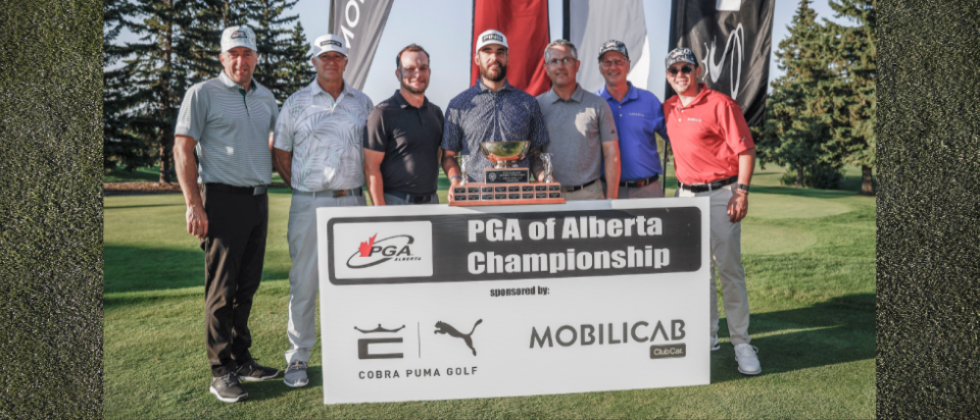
(434, 302)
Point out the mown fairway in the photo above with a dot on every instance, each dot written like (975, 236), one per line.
(810, 264)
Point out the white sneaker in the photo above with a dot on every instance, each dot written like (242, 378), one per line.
(714, 342)
(748, 362)
(296, 375)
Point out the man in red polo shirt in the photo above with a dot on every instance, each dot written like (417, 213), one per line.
(714, 158)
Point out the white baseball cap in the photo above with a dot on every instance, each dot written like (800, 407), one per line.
(491, 36)
(328, 42)
(238, 36)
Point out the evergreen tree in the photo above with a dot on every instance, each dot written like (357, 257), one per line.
(797, 131)
(120, 147)
(854, 55)
(277, 48)
(297, 71)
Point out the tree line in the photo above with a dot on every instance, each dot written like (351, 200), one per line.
(821, 113)
(144, 81)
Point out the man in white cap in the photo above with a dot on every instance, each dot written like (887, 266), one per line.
(715, 157)
(491, 111)
(227, 120)
(318, 152)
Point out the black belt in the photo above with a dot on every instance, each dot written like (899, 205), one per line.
(707, 187)
(579, 187)
(231, 189)
(411, 198)
(639, 182)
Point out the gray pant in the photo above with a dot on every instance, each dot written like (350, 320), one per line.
(303, 275)
(393, 200)
(591, 192)
(651, 190)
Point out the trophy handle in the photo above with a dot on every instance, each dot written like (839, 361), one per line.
(548, 168)
(464, 163)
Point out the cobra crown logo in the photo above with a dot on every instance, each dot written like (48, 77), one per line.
(373, 252)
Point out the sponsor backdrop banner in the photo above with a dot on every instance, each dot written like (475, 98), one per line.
(438, 302)
(360, 23)
(732, 40)
(525, 23)
(590, 23)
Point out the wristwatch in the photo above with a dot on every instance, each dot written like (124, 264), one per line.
(743, 187)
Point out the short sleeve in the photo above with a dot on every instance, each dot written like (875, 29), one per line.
(377, 137)
(607, 124)
(283, 139)
(737, 133)
(539, 131)
(274, 111)
(193, 114)
(452, 133)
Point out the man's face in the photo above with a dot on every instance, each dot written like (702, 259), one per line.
(562, 66)
(239, 63)
(680, 80)
(330, 66)
(414, 72)
(614, 67)
(492, 60)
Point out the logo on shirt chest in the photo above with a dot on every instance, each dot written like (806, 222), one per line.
(637, 114)
(694, 119)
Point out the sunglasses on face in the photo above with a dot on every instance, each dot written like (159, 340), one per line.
(684, 69)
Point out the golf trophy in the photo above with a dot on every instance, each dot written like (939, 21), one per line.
(505, 183)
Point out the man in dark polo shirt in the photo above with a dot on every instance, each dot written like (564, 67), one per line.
(401, 150)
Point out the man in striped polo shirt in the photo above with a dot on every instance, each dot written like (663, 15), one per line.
(318, 152)
(227, 120)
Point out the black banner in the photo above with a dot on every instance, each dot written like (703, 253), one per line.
(732, 40)
(538, 245)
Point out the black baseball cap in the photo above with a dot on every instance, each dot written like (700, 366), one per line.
(613, 45)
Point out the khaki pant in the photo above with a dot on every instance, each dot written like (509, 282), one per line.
(726, 255)
(652, 190)
(304, 275)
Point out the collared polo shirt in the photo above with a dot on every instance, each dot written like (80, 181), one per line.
(638, 118)
(325, 136)
(409, 137)
(481, 115)
(576, 128)
(708, 134)
(231, 128)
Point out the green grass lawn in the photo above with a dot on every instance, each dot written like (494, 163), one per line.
(809, 257)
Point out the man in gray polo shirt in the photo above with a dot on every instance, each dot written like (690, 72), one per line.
(581, 128)
(227, 121)
(318, 153)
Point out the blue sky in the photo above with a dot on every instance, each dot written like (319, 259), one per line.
(443, 27)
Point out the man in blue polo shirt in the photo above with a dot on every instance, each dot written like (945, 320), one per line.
(639, 116)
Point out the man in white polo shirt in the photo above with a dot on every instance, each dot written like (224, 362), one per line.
(227, 121)
(318, 152)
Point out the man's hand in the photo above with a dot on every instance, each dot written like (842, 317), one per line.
(197, 221)
(738, 206)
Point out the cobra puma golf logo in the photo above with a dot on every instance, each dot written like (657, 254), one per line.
(444, 328)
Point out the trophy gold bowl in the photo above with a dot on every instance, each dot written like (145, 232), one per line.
(506, 182)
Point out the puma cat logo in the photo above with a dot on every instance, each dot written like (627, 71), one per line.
(444, 328)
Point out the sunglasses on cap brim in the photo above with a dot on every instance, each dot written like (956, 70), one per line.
(684, 69)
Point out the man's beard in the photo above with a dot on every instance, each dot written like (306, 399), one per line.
(485, 73)
(412, 90)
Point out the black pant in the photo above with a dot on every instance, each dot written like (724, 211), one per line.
(234, 250)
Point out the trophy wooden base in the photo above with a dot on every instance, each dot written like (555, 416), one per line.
(482, 194)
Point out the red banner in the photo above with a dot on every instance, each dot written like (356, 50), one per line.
(525, 23)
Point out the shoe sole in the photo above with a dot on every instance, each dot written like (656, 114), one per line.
(251, 379)
(716, 347)
(297, 384)
(747, 373)
(229, 400)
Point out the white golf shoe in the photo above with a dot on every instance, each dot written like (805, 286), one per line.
(748, 362)
(714, 342)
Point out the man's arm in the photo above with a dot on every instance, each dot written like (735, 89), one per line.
(451, 167)
(283, 162)
(372, 173)
(738, 206)
(610, 161)
(197, 219)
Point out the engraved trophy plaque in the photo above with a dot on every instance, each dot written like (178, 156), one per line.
(506, 182)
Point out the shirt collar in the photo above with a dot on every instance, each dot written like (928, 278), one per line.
(231, 83)
(705, 90)
(400, 100)
(631, 95)
(484, 88)
(577, 95)
(316, 89)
